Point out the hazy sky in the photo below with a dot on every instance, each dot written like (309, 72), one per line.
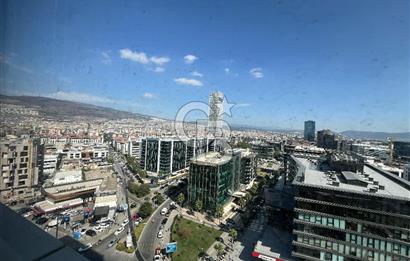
(344, 64)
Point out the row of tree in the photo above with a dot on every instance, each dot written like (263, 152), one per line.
(135, 167)
(140, 190)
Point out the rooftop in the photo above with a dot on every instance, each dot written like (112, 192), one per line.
(212, 158)
(378, 182)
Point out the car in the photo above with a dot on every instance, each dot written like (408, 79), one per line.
(75, 225)
(82, 231)
(104, 225)
(161, 227)
(118, 231)
(91, 233)
(133, 205)
(98, 229)
(103, 220)
(157, 257)
(125, 222)
(160, 234)
(85, 248)
(164, 221)
(112, 243)
(164, 211)
(41, 220)
(53, 223)
(28, 214)
(136, 223)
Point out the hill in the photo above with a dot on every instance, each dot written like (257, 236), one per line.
(68, 109)
(399, 136)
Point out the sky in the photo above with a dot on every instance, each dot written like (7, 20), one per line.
(344, 64)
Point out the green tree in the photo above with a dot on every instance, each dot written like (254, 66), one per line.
(159, 199)
(219, 211)
(242, 202)
(181, 198)
(198, 205)
(219, 248)
(146, 209)
(233, 233)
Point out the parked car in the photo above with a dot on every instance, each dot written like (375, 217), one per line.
(125, 222)
(98, 229)
(112, 243)
(118, 231)
(41, 220)
(82, 231)
(133, 205)
(91, 232)
(164, 221)
(160, 233)
(85, 248)
(104, 225)
(164, 211)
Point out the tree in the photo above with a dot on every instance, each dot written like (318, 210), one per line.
(219, 248)
(242, 202)
(146, 209)
(139, 190)
(181, 198)
(219, 211)
(198, 205)
(159, 199)
(233, 233)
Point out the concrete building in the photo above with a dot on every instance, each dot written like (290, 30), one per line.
(213, 178)
(68, 176)
(309, 131)
(345, 215)
(326, 139)
(248, 166)
(19, 167)
(134, 148)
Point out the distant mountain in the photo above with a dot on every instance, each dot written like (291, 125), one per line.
(68, 109)
(370, 135)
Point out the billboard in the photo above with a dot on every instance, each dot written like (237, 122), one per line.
(171, 247)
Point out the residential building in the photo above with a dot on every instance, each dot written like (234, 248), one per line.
(406, 172)
(134, 148)
(213, 178)
(309, 132)
(345, 215)
(19, 167)
(248, 166)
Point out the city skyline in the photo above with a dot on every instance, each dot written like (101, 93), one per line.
(287, 64)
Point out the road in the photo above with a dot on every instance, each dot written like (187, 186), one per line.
(148, 240)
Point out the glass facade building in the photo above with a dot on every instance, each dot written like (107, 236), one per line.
(309, 131)
(338, 221)
(213, 178)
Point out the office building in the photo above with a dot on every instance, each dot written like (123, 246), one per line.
(215, 115)
(406, 172)
(213, 178)
(134, 148)
(19, 167)
(326, 139)
(309, 132)
(248, 166)
(344, 215)
(401, 151)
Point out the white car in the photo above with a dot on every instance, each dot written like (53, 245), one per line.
(85, 248)
(136, 223)
(160, 234)
(118, 231)
(125, 222)
(164, 211)
(82, 231)
(104, 225)
(97, 229)
(52, 223)
(157, 257)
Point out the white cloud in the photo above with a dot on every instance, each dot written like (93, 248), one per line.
(190, 58)
(197, 74)
(242, 105)
(227, 70)
(139, 57)
(80, 97)
(106, 58)
(188, 81)
(148, 95)
(159, 60)
(256, 72)
(157, 69)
